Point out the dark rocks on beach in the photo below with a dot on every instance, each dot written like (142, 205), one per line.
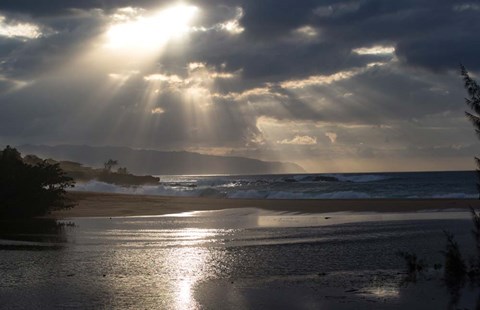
(325, 179)
(176, 184)
(317, 178)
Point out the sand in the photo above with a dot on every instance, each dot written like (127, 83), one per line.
(108, 204)
(211, 263)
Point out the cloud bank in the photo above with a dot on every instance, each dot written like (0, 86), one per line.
(331, 85)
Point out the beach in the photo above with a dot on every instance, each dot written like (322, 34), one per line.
(91, 204)
(155, 252)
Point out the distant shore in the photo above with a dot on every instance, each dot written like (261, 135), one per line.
(91, 204)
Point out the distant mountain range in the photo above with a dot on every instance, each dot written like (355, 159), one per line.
(159, 162)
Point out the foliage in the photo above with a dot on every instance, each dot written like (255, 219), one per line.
(109, 164)
(82, 173)
(455, 268)
(475, 265)
(122, 176)
(413, 264)
(473, 101)
(30, 190)
(122, 170)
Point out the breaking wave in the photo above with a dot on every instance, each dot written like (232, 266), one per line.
(297, 195)
(445, 185)
(338, 178)
(362, 178)
(161, 190)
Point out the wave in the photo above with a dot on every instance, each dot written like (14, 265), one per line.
(231, 182)
(297, 195)
(217, 182)
(455, 196)
(364, 178)
(269, 191)
(160, 190)
(312, 178)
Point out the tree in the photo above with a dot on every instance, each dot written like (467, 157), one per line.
(109, 164)
(31, 190)
(122, 170)
(473, 101)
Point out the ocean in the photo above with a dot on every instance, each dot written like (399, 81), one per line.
(405, 185)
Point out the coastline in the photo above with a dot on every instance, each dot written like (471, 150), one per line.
(94, 204)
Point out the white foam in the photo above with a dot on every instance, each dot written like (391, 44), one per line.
(297, 195)
(229, 190)
(456, 196)
(97, 186)
(248, 194)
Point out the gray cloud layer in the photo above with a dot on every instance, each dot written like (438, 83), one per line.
(287, 76)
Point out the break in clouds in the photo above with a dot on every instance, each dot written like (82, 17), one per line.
(330, 85)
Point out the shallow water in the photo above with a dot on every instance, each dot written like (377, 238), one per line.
(238, 259)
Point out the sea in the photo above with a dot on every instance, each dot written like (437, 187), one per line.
(402, 185)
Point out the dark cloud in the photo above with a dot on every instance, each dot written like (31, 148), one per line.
(58, 7)
(295, 63)
(442, 53)
(432, 34)
(271, 18)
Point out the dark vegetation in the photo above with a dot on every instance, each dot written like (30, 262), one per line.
(28, 190)
(81, 173)
(456, 270)
(31, 186)
(413, 264)
(473, 101)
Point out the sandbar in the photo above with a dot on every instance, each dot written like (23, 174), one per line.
(90, 204)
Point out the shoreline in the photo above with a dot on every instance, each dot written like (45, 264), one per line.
(95, 204)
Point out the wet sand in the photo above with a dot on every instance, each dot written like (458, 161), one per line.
(299, 259)
(108, 204)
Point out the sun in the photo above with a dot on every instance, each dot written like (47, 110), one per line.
(135, 30)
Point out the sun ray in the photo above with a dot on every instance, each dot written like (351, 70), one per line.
(137, 31)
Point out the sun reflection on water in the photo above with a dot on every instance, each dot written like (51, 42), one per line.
(188, 266)
(185, 299)
(387, 292)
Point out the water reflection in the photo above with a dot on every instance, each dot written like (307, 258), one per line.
(172, 263)
(35, 234)
(187, 267)
(202, 262)
(278, 219)
(383, 292)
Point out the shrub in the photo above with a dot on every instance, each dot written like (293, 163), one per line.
(31, 190)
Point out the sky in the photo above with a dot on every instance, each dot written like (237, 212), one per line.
(334, 86)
